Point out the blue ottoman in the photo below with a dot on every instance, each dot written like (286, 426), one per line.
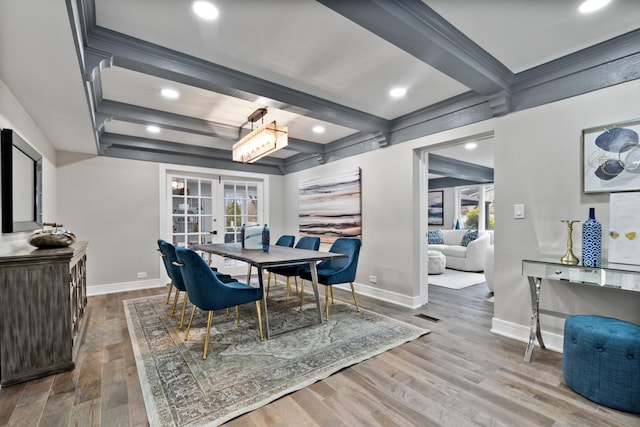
(601, 361)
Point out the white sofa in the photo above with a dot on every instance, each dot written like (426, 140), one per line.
(469, 258)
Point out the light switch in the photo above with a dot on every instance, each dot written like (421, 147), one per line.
(518, 211)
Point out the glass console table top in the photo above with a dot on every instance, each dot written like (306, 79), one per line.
(610, 275)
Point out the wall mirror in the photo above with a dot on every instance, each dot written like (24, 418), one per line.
(20, 185)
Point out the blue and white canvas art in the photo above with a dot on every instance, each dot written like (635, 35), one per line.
(436, 208)
(611, 156)
(330, 207)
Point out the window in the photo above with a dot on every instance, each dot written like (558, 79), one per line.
(475, 207)
(241, 206)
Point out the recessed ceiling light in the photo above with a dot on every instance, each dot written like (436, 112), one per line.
(205, 10)
(398, 92)
(153, 129)
(470, 145)
(589, 6)
(170, 93)
(318, 129)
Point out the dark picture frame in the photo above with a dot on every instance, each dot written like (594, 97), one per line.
(435, 208)
(11, 175)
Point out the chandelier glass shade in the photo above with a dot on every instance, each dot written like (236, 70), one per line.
(260, 142)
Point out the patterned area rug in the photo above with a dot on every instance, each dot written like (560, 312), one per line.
(241, 373)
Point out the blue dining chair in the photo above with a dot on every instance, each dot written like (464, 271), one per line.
(337, 270)
(306, 242)
(168, 253)
(208, 293)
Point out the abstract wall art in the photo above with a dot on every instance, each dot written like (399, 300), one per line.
(436, 208)
(330, 207)
(611, 158)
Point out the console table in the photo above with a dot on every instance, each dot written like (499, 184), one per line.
(42, 308)
(616, 276)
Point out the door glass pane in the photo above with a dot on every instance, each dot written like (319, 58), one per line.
(489, 209)
(469, 208)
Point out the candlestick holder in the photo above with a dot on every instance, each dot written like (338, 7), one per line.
(569, 258)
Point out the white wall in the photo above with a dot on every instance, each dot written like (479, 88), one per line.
(114, 204)
(538, 163)
(13, 116)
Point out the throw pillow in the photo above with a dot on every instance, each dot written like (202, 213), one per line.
(434, 237)
(469, 237)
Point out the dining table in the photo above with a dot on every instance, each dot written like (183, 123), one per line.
(277, 256)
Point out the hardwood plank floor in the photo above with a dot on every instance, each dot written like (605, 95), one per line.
(458, 375)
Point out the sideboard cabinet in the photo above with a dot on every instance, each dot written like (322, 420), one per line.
(42, 310)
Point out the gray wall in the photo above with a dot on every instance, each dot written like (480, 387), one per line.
(538, 163)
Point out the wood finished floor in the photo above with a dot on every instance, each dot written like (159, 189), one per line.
(458, 375)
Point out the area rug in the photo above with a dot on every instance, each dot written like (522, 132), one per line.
(241, 373)
(455, 279)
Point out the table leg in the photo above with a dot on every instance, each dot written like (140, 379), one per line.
(534, 289)
(314, 283)
(264, 302)
(248, 274)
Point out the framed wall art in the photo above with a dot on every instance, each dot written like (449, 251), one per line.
(611, 158)
(436, 208)
(330, 206)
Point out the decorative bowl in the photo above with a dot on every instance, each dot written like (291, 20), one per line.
(49, 239)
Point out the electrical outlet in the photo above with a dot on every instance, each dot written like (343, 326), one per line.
(373, 279)
(142, 275)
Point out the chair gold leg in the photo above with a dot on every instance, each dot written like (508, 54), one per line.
(206, 338)
(237, 316)
(175, 302)
(295, 278)
(259, 319)
(331, 289)
(353, 292)
(287, 292)
(326, 302)
(228, 313)
(193, 310)
(268, 282)
(170, 290)
(184, 307)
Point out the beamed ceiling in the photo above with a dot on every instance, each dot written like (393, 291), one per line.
(328, 63)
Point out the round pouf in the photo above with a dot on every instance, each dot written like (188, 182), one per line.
(601, 361)
(437, 263)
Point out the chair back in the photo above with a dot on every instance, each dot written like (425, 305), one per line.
(311, 243)
(204, 288)
(349, 247)
(169, 256)
(286, 240)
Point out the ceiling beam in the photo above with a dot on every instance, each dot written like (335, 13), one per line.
(417, 29)
(148, 58)
(448, 167)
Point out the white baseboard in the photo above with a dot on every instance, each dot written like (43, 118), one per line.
(518, 332)
(383, 295)
(112, 288)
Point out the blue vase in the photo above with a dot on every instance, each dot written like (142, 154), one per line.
(591, 241)
(265, 238)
